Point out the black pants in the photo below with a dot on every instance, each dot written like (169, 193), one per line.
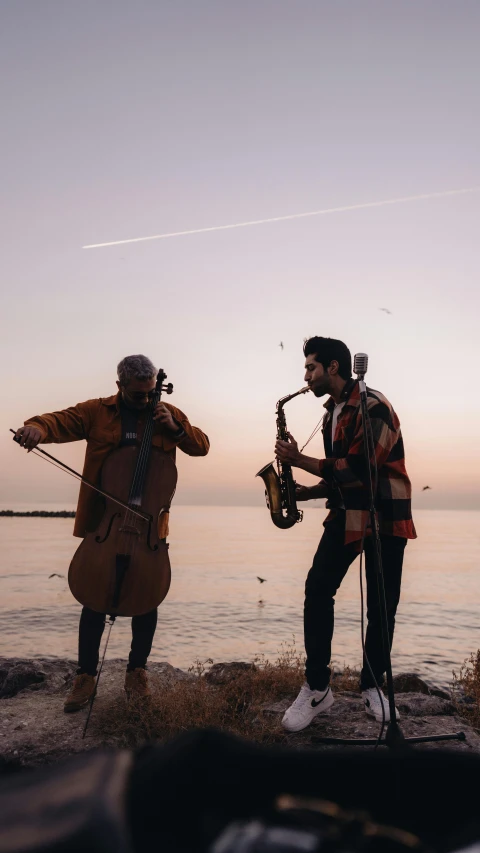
(90, 633)
(330, 565)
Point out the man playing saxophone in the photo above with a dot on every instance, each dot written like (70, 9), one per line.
(328, 370)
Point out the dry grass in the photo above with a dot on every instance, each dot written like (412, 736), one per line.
(466, 690)
(346, 681)
(239, 705)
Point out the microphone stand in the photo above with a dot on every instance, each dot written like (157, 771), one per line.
(394, 737)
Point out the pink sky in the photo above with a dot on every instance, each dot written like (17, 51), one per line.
(134, 119)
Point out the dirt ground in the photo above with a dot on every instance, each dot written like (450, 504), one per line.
(34, 729)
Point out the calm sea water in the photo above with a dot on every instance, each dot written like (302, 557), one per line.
(217, 608)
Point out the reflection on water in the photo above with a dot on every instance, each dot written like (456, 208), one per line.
(218, 609)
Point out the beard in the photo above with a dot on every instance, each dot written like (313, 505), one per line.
(321, 389)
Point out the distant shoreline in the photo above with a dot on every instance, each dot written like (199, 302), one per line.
(37, 513)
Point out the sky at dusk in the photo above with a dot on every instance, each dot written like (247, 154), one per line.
(128, 119)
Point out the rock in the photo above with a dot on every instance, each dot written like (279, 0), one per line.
(352, 694)
(276, 707)
(33, 726)
(222, 673)
(3, 675)
(410, 682)
(20, 676)
(442, 694)
(168, 674)
(44, 674)
(9, 513)
(419, 705)
(34, 729)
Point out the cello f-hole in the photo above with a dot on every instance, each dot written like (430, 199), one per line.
(107, 534)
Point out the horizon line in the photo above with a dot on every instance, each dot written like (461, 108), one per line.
(313, 505)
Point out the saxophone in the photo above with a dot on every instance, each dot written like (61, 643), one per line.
(280, 488)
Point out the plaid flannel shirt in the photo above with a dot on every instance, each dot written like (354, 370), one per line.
(345, 468)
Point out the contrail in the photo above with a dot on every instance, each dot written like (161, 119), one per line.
(401, 200)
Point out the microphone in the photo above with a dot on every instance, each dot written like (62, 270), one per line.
(360, 364)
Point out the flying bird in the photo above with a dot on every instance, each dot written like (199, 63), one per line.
(262, 580)
(425, 488)
(281, 345)
(56, 575)
(386, 310)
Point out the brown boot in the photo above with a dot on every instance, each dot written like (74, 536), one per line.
(82, 691)
(136, 684)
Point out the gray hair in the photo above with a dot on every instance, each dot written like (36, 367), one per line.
(135, 367)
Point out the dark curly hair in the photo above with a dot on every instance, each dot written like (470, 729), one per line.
(327, 350)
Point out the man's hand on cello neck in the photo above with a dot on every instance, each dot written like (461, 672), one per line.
(163, 416)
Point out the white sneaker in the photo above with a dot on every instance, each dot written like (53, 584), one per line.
(307, 705)
(373, 705)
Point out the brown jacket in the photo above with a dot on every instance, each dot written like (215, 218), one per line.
(99, 423)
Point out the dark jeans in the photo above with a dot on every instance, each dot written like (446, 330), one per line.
(90, 633)
(330, 565)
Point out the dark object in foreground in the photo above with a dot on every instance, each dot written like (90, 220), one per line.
(208, 791)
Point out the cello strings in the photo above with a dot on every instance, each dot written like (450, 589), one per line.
(128, 546)
(145, 451)
(128, 520)
(138, 477)
(142, 460)
(143, 456)
(146, 445)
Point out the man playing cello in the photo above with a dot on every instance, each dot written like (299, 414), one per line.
(106, 424)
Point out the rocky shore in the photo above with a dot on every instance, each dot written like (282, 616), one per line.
(34, 729)
(37, 513)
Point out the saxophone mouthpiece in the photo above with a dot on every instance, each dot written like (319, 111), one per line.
(289, 397)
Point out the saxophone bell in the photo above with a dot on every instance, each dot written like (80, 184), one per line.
(280, 487)
(274, 497)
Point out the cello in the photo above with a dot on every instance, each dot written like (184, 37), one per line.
(123, 567)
